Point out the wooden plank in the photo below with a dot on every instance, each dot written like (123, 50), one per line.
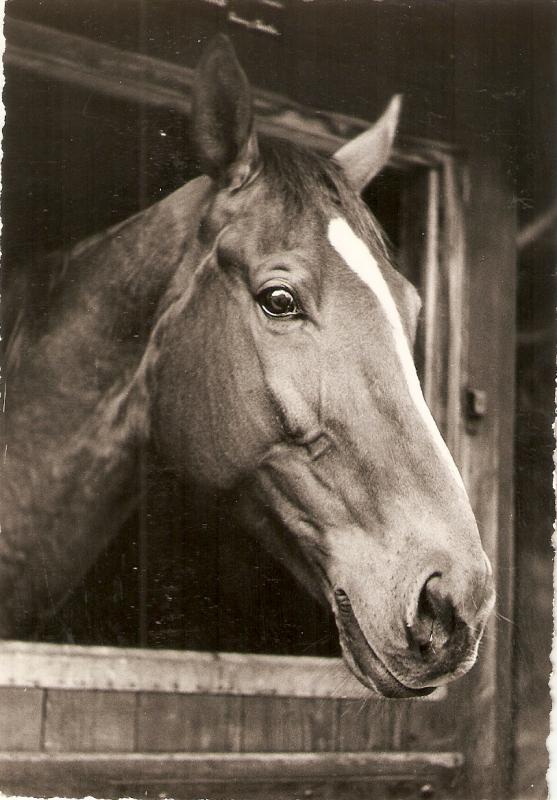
(542, 225)
(56, 666)
(364, 724)
(213, 768)
(433, 236)
(150, 81)
(452, 263)
(414, 727)
(418, 256)
(285, 724)
(79, 779)
(21, 713)
(89, 721)
(488, 459)
(405, 788)
(429, 280)
(192, 723)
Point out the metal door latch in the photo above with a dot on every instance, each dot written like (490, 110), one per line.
(475, 408)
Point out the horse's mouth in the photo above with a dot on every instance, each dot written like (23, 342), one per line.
(362, 658)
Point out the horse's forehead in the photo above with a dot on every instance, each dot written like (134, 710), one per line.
(356, 256)
(266, 226)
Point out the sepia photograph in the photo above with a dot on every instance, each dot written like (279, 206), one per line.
(277, 387)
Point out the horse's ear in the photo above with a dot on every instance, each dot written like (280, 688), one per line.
(223, 129)
(366, 155)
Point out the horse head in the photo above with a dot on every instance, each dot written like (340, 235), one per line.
(285, 374)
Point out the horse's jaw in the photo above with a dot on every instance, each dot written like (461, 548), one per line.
(282, 544)
(358, 654)
(383, 663)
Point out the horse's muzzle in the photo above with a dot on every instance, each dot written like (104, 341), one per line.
(442, 638)
(436, 625)
(362, 658)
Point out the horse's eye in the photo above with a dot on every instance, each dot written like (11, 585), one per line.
(278, 301)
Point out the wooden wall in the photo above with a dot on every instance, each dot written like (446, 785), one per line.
(153, 744)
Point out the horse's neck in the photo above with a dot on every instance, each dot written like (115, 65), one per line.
(71, 429)
(101, 312)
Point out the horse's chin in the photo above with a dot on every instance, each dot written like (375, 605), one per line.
(374, 675)
(366, 665)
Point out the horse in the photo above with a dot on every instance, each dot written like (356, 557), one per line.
(253, 326)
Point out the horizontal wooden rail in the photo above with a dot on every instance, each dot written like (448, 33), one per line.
(250, 775)
(256, 766)
(52, 666)
(134, 77)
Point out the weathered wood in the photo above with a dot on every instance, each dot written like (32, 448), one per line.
(543, 224)
(288, 724)
(407, 788)
(21, 713)
(89, 721)
(419, 255)
(486, 722)
(129, 669)
(265, 776)
(190, 723)
(432, 239)
(134, 77)
(415, 728)
(453, 269)
(364, 724)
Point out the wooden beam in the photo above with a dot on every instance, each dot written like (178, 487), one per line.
(52, 666)
(538, 228)
(248, 775)
(253, 766)
(134, 77)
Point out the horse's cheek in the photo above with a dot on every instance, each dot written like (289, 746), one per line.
(250, 425)
(218, 420)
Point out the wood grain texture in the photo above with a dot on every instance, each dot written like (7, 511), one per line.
(488, 454)
(415, 728)
(132, 669)
(191, 723)
(286, 724)
(408, 787)
(83, 721)
(268, 776)
(418, 255)
(364, 725)
(138, 78)
(21, 712)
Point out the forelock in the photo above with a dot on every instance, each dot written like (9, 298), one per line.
(304, 179)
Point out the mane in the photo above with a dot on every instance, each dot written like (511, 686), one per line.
(32, 286)
(304, 178)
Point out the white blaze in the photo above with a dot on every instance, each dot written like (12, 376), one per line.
(357, 256)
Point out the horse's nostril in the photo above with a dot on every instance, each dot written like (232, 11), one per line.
(435, 618)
